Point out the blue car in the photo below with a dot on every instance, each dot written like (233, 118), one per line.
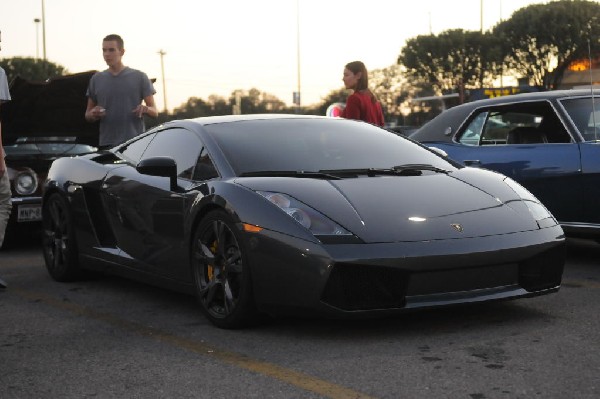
(547, 141)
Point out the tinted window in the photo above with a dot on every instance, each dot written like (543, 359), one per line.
(520, 123)
(315, 144)
(585, 116)
(205, 169)
(181, 145)
(133, 152)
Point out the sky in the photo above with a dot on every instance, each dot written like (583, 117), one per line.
(218, 46)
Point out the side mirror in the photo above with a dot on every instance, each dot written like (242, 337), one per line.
(160, 166)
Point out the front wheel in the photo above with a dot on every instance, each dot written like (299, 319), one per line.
(221, 273)
(58, 240)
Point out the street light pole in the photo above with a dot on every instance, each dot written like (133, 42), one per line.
(44, 29)
(162, 68)
(37, 38)
(298, 51)
(481, 15)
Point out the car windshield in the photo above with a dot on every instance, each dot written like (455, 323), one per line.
(49, 149)
(316, 145)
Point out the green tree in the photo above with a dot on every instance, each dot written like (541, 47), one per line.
(31, 69)
(391, 88)
(539, 36)
(254, 101)
(334, 96)
(452, 58)
(194, 107)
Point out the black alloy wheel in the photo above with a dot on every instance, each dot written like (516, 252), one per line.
(221, 274)
(58, 240)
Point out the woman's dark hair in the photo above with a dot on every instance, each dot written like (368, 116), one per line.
(363, 83)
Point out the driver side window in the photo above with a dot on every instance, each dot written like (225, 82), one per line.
(181, 145)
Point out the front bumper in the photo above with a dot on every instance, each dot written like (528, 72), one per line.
(360, 279)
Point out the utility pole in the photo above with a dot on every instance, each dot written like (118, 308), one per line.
(430, 30)
(297, 97)
(164, 84)
(481, 15)
(44, 29)
(37, 38)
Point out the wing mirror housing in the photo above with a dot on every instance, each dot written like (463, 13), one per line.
(160, 166)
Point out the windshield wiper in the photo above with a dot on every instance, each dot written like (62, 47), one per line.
(417, 167)
(401, 170)
(290, 173)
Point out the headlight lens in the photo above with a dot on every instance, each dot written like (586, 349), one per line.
(313, 220)
(537, 210)
(25, 182)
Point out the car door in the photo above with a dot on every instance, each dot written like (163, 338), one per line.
(584, 114)
(529, 143)
(149, 216)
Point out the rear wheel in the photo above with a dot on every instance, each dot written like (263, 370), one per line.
(58, 240)
(221, 272)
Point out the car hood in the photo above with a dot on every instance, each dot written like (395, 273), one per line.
(54, 108)
(403, 208)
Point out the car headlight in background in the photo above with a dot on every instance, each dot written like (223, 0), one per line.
(25, 181)
(539, 212)
(313, 220)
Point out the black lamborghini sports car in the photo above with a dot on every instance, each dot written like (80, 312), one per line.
(265, 214)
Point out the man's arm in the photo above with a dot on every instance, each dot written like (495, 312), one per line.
(148, 109)
(93, 112)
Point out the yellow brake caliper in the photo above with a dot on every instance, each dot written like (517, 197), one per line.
(210, 268)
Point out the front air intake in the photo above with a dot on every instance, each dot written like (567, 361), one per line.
(543, 271)
(360, 287)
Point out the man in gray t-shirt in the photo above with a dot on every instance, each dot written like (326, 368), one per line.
(115, 97)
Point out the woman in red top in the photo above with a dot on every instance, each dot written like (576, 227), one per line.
(362, 104)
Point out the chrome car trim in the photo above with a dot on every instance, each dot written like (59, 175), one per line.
(18, 200)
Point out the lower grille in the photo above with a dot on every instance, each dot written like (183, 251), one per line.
(361, 287)
(543, 271)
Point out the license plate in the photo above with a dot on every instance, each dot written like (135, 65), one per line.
(29, 213)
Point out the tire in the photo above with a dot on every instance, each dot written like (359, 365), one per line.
(58, 240)
(221, 272)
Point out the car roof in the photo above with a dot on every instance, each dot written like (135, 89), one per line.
(209, 120)
(452, 118)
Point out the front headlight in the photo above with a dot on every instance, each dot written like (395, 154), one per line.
(313, 220)
(537, 210)
(25, 182)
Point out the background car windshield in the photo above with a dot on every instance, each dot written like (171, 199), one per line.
(49, 149)
(315, 144)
